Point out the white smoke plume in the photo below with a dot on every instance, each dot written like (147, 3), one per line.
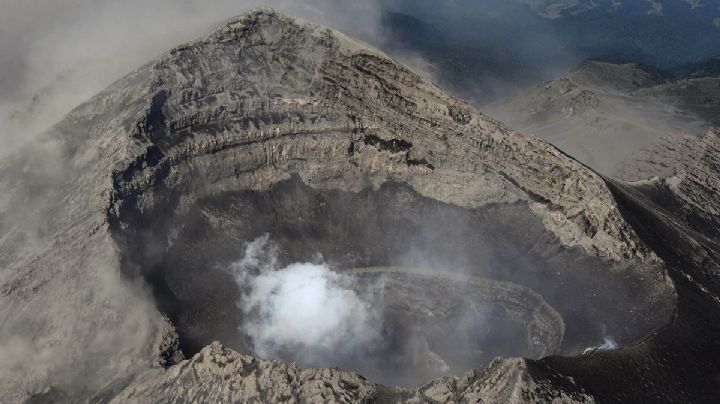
(303, 312)
(609, 344)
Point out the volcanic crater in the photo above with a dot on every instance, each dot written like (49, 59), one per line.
(484, 241)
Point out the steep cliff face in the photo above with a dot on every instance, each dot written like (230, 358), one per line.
(300, 94)
(271, 124)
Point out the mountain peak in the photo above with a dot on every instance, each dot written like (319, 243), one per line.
(265, 25)
(266, 76)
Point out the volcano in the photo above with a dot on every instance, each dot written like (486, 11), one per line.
(128, 213)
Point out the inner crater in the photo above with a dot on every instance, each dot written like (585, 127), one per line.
(386, 282)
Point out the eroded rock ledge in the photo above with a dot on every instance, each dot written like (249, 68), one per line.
(217, 374)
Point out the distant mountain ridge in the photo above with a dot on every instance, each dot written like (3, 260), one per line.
(485, 50)
(603, 113)
(560, 8)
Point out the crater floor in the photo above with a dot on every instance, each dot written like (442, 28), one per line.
(492, 291)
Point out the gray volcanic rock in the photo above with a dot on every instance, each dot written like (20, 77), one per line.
(667, 157)
(273, 124)
(217, 374)
(605, 113)
(686, 170)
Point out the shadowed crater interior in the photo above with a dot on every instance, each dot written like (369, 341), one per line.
(410, 288)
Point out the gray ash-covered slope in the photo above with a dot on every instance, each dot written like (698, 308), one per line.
(122, 213)
(677, 217)
(683, 172)
(603, 113)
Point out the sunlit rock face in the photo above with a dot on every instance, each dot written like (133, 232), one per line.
(441, 223)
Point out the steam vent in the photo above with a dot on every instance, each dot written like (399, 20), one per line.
(278, 213)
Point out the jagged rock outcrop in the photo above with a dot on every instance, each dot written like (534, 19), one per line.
(507, 381)
(167, 346)
(217, 374)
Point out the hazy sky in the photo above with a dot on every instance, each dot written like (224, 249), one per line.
(41, 38)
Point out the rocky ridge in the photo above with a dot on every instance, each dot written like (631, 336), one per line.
(221, 375)
(352, 102)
